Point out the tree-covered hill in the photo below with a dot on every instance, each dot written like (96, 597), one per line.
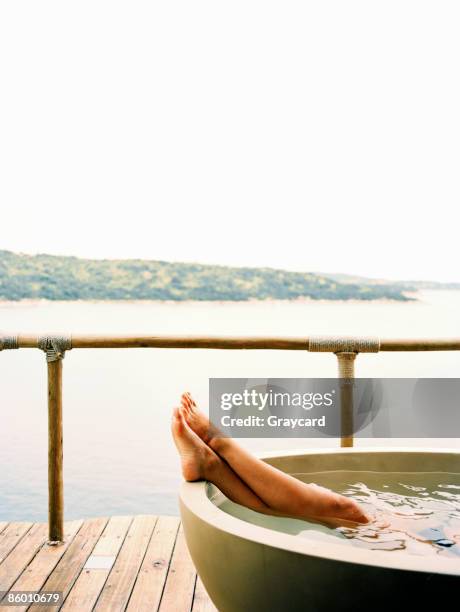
(70, 278)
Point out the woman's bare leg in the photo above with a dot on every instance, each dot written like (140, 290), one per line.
(200, 462)
(279, 491)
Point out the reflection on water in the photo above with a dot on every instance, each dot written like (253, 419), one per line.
(118, 454)
(414, 512)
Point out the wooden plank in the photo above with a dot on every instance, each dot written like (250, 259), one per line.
(89, 584)
(3, 526)
(147, 592)
(180, 583)
(21, 555)
(46, 559)
(11, 536)
(71, 563)
(117, 590)
(201, 601)
(151, 570)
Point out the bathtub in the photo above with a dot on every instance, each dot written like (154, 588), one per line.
(246, 567)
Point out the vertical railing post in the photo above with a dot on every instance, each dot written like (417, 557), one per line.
(55, 347)
(346, 349)
(346, 362)
(55, 453)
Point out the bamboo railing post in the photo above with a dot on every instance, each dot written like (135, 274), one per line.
(55, 454)
(346, 349)
(276, 343)
(55, 347)
(346, 362)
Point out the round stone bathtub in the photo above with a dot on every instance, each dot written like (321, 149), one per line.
(247, 567)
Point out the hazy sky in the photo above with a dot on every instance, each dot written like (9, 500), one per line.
(316, 136)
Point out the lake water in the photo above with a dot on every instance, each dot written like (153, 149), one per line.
(118, 454)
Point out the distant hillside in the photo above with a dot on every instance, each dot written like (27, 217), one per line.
(405, 285)
(70, 278)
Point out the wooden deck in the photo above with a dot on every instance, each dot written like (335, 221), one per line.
(129, 563)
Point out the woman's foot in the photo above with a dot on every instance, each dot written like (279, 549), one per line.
(197, 459)
(197, 420)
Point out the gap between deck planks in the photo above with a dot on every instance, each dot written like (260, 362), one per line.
(137, 564)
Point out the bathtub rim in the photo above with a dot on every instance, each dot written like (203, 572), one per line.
(193, 495)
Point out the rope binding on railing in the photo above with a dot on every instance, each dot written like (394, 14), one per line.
(54, 346)
(8, 342)
(330, 344)
(346, 363)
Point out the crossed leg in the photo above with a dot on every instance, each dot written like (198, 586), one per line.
(200, 462)
(249, 481)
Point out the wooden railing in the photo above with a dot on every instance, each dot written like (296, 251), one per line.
(55, 346)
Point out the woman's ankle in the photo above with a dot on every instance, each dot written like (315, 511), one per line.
(218, 444)
(212, 463)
